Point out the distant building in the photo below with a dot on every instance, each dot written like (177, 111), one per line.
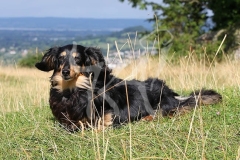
(24, 52)
(12, 52)
(114, 61)
(35, 39)
(2, 50)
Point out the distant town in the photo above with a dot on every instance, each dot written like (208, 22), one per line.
(21, 39)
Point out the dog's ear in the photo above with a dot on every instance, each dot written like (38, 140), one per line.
(48, 61)
(94, 57)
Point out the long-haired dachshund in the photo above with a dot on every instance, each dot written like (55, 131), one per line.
(85, 93)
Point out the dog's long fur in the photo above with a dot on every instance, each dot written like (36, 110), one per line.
(84, 92)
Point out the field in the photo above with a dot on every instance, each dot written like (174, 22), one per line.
(29, 131)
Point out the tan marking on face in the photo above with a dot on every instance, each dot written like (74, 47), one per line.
(83, 82)
(61, 67)
(79, 81)
(74, 54)
(82, 68)
(64, 53)
(74, 71)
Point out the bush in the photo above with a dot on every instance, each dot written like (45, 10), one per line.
(185, 45)
(30, 60)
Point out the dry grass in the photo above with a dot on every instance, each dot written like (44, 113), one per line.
(189, 74)
(22, 87)
(19, 86)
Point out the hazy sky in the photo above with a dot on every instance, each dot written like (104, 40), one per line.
(71, 8)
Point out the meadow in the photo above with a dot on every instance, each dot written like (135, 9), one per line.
(29, 131)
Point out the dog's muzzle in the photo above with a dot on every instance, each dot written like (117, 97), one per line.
(66, 74)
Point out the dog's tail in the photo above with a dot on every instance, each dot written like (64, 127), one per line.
(196, 98)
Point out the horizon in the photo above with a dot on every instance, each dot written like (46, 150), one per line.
(104, 9)
(73, 23)
(119, 18)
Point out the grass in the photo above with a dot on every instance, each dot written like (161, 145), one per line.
(17, 86)
(29, 131)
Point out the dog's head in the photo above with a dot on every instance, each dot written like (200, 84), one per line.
(70, 62)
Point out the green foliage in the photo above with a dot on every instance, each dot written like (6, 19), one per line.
(205, 50)
(226, 13)
(183, 17)
(185, 44)
(30, 60)
(227, 17)
(178, 16)
(185, 20)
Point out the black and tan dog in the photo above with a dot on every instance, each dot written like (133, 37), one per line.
(84, 92)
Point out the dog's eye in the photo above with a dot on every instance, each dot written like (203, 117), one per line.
(77, 59)
(60, 58)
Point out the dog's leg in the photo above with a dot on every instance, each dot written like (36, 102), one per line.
(148, 118)
(106, 121)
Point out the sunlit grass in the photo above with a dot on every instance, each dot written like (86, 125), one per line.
(28, 129)
(189, 74)
(22, 88)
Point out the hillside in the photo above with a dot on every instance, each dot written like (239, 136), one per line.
(23, 36)
(74, 24)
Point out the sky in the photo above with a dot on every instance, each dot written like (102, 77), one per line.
(72, 9)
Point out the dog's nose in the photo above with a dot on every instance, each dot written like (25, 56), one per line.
(66, 72)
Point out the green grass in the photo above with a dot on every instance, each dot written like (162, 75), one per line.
(28, 129)
(32, 133)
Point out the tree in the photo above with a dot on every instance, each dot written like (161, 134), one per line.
(186, 19)
(183, 18)
(226, 13)
(227, 18)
